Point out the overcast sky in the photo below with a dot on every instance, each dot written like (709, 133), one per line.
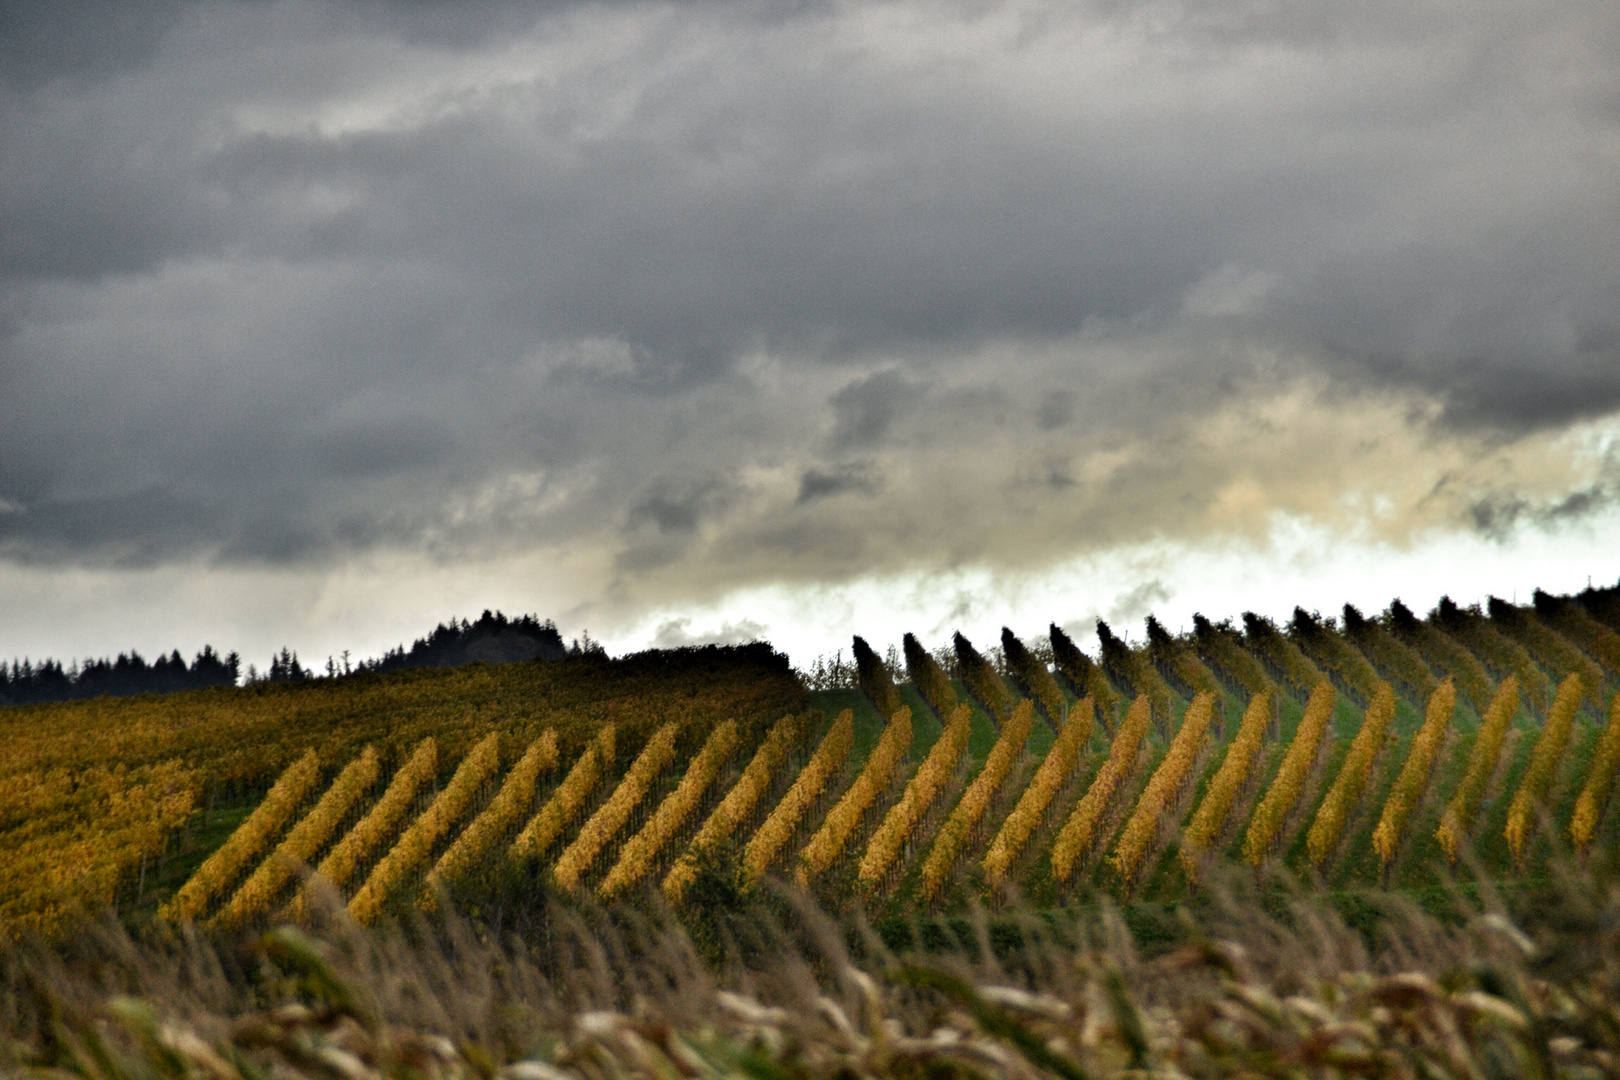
(321, 322)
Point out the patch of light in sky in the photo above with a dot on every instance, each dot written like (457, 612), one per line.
(1302, 565)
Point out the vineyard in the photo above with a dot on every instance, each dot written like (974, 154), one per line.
(1354, 751)
(178, 801)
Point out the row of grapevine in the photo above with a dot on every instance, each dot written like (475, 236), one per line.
(1547, 646)
(1444, 654)
(1414, 777)
(780, 826)
(1544, 761)
(1500, 653)
(873, 677)
(1345, 794)
(415, 845)
(303, 841)
(1599, 784)
(929, 679)
(1222, 649)
(636, 858)
(1289, 783)
(921, 790)
(1391, 656)
(247, 842)
(611, 816)
(569, 799)
(982, 680)
(1283, 658)
(970, 809)
(1210, 818)
(1592, 637)
(1077, 834)
(1133, 670)
(503, 814)
(1056, 769)
(1333, 654)
(1179, 665)
(1085, 677)
(735, 808)
(1032, 673)
(1458, 819)
(828, 842)
(1142, 829)
(380, 822)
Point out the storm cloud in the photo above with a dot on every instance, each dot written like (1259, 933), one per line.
(729, 294)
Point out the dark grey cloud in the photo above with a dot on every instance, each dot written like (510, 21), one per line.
(42, 41)
(287, 282)
(865, 410)
(847, 479)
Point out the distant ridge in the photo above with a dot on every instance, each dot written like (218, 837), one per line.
(493, 638)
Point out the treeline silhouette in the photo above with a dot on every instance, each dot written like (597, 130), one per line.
(51, 680)
(493, 638)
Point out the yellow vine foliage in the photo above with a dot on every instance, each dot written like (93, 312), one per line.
(1076, 836)
(300, 845)
(921, 791)
(1544, 759)
(845, 816)
(85, 831)
(504, 812)
(246, 842)
(735, 808)
(1216, 805)
(379, 823)
(1289, 782)
(1458, 817)
(823, 765)
(1142, 829)
(1414, 778)
(976, 800)
(415, 844)
(1594, 796)
(1345, 794)
(1026, 817)
(610, 817)
(636, 859)
(567, 801)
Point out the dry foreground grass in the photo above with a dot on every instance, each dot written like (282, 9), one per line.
(1261, 984)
